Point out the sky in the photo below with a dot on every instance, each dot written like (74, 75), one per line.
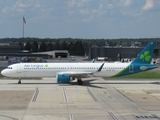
(86, 19)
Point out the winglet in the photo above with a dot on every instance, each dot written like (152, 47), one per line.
(93, 61)
(100, 68)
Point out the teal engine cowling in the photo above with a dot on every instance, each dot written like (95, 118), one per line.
(61, 78)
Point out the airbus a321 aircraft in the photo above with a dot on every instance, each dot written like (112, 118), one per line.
(66, 72)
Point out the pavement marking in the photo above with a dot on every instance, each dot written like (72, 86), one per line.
(113, 116)
(94, 98)
(35, 95)
(152, 116)
(9, 117)
(155, 116)
(65, 95)
(71, 117)
(123, 94)
(135, 117)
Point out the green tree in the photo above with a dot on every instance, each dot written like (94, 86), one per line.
(57, 46)
(64, 46)
(34, 46)
(20, 44)
(50, 47)
(27, 46)
(79, 48)
(71, 48)
(42, 47)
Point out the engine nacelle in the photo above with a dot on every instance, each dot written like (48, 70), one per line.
(63, 78)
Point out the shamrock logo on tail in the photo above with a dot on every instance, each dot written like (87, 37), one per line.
(145, 57)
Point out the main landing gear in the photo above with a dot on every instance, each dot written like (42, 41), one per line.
(19, 82)
(80, 82)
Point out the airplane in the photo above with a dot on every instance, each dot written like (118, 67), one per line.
(64, 72)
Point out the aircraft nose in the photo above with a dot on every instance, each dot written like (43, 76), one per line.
(3, 72)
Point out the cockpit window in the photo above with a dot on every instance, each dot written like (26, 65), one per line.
(9, 67)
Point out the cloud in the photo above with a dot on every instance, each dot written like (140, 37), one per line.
(85, 11)
(110, 6)
(17, 7)
(71, 3)
(33, 10)
(149, 4)
(126, 3)
(78, 3)
(57, 15)
(4, 10)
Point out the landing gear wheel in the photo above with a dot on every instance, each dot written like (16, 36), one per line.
(19, 82)
(80, 82)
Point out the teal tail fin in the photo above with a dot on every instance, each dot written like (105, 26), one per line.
(145, 56)
(142, 62)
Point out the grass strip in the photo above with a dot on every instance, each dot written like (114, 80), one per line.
(143, 75)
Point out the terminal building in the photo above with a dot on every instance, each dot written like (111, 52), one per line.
(10, 49)
(56, 53)
(112, 52)
(15, 51)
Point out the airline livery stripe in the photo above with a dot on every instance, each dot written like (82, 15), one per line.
(119, 73)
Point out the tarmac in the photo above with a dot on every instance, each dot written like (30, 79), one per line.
(97, 99)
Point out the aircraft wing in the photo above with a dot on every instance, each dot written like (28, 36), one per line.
(81, 74)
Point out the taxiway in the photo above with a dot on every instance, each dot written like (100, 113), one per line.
(97, 99)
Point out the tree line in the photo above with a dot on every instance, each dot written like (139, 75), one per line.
(74, 48)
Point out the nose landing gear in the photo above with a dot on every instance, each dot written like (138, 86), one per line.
(19, 82)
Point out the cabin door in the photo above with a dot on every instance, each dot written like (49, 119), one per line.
(19, 69)
(131, 68)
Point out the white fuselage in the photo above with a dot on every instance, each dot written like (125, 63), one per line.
(52, 69)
